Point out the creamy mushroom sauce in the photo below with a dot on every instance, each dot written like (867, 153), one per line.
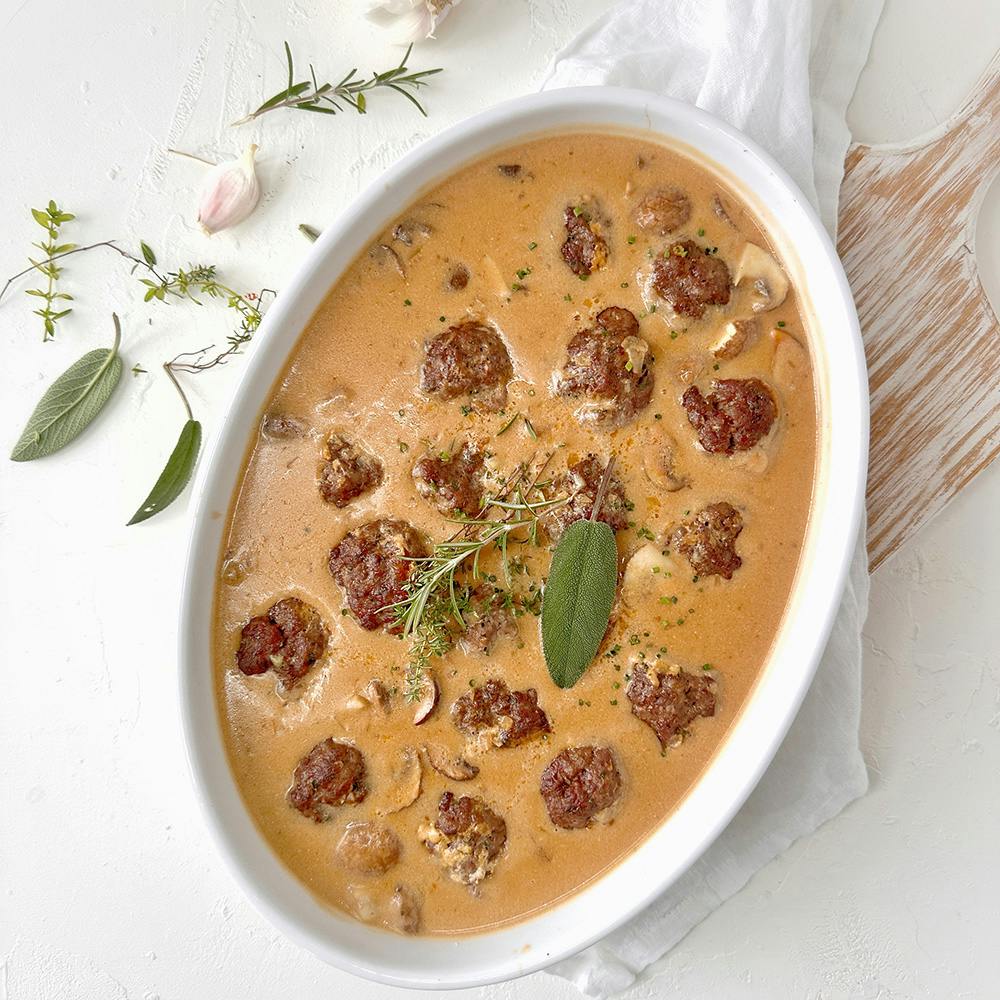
(355, 371)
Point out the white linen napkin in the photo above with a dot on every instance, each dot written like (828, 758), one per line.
(783, 71)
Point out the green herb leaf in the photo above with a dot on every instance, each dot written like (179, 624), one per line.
(577, 602)
(175, 474)
(71, 402)
(147, 253)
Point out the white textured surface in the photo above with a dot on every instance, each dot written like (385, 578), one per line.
(108, 886)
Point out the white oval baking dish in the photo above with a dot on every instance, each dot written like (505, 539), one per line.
(839, 493)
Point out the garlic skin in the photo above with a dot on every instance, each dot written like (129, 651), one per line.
(230, 194)
(409, 21)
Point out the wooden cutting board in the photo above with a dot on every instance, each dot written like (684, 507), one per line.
(907, 240)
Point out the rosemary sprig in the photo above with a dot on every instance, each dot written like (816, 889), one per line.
(50, 219)
(330, 98)
(437, 593)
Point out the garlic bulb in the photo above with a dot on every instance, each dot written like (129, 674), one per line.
(230, 194)
(409, 20)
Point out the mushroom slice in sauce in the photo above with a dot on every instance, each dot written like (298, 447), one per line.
(427, 701)
(737, 335)
(404, 910)
(369, 848)
(765, 275)
(446, 763)
(407, 781)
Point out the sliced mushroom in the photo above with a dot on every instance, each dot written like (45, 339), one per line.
(282, 427)
(736, 337)
(769, 282)
(456, 768)
(377, 695)
(720, 210)
(646, 567)
(364, 902)
(369, 848)
(494, 277)
(790, 364)
(405, 231)
(406, 778)
(636, 350)
(659, 462)
(404, 910)
(385, 255)
(428, 700)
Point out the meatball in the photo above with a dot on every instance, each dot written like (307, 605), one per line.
(486, 622)
(709, 540)
(331, 774)
(373, 564)
(669, 702)
(585, 249)
(608, 366)
(346, 472)
(690, 279)
(289, 639)
(454, 482)
(467, 838)
(369, 848)
(468, 359)
(578, 784)
(581, 482)
(498, 716)
(734, 416)
(663, 211)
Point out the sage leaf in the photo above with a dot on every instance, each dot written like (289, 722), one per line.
(71, 403)
(578, 597)
(175, 474)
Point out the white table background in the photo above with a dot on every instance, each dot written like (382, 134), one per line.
(109, 887)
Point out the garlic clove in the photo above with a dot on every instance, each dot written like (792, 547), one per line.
(409, 21)
(230, 194)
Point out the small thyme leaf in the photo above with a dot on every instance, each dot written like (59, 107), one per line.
(329, 99)
(311, 234)
(72, 402)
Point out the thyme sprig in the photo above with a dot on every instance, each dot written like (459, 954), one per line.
(50, 219)
(331, 98)
(439, 591)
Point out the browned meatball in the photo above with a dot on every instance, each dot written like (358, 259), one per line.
(581, 482)
(669, 702)
(373, 563)
(466, 838)
(709, 540)
(608, 366)
(690, 279)
(331, 774)
(578, 784)
(585, 249)
(453, 482)
(289, 639)
(346, 472)
(734, 416)
(468, 359)
(487, 621)
(663, 211)
(499, 716)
